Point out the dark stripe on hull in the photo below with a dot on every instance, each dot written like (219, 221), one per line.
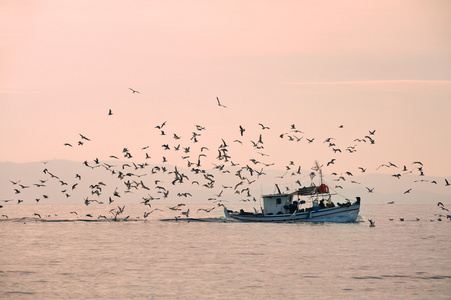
(301, 216)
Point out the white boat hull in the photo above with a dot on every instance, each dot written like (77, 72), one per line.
(339, 214)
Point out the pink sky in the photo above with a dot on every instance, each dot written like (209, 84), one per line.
(366, 65)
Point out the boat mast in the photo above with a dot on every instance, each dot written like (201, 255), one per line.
(278, 190)
(321, 175)
(318, 168)
(320, 171)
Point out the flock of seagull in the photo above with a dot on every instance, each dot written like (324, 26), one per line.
(132, 176)
(439, 217)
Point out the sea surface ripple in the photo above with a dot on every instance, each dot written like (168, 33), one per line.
(59, 256)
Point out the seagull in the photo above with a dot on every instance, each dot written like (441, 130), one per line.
(371, 140)
(446, 182)
(383, 165)
(392, 164)
(134, 91)
(408, 191)
(83, 137)
(372, 223)
(110, 112)
(328, 140)
(161, 126)
(263, 126)
(242, 130)
(440, 204)
(206, 210)
(331, 162)
(186, 213)
(369, 190)
(219, 103)
(200, 128)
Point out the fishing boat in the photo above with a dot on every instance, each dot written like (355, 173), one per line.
(312, 203)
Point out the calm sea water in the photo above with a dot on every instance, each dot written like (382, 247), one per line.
(60, 256)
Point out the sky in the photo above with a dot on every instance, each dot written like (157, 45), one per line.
(334, 69)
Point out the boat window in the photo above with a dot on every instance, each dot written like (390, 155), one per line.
(278, 201)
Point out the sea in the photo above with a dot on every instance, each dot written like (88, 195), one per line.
(64, 254)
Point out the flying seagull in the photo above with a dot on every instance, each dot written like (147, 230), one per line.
(134, 91)
(242, 130)
(331, 162)
(83, 137)
(263, 126)
(219, 103)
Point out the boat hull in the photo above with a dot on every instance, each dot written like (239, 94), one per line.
(340, 214)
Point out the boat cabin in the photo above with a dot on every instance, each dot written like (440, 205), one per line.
(277, 204)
